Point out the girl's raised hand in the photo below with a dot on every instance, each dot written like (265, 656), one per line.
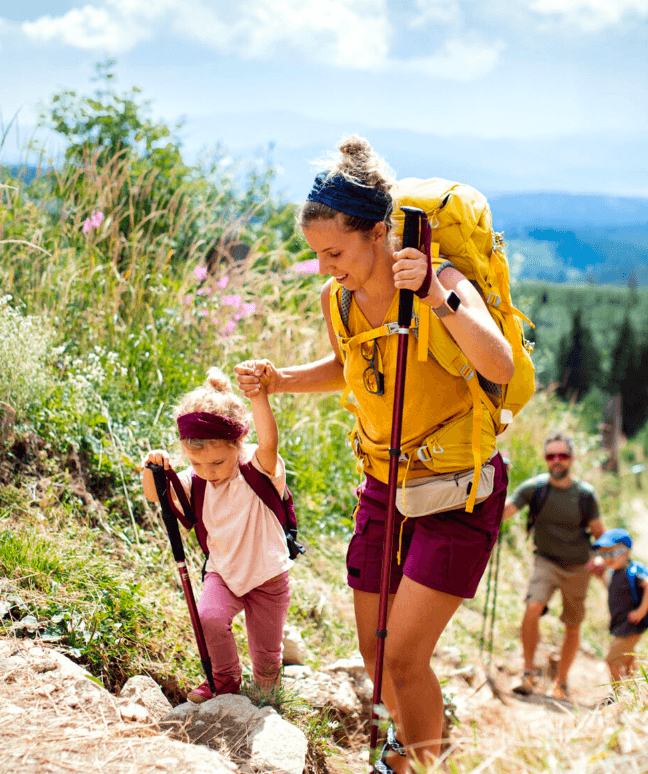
(157, 457)
(255, 377)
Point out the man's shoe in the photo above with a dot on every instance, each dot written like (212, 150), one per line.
(530, 678)
(561, 692)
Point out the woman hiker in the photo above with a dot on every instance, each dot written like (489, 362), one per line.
(346, 221)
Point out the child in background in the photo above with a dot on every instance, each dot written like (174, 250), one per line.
(248, 562)
(626, 618)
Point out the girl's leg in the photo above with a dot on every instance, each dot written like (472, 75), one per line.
(266, 607)
(217, 608)
(418, 617)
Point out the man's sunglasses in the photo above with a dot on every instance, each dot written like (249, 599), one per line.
(558, 456)
(372, 377)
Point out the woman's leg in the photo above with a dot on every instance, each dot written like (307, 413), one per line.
(266, 608)
(366, 614)
(418, 617)
(217, 608)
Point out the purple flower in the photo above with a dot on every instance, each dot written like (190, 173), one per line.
(223, 282)
(307, 267)
(201, 272)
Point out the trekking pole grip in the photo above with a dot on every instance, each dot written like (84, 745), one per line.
(411, 238)
(170, 521)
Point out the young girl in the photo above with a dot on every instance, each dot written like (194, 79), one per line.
(248, 560)
(347, 223)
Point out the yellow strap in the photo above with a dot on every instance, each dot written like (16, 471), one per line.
(424, 313)
(520, 314)
(475, 389)
(400, 536)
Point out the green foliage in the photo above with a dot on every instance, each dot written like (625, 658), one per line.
(25, 355)
(576, 362)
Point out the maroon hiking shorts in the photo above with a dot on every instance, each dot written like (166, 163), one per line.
(445, 551)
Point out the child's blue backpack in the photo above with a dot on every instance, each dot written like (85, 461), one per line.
(634, 569)
(282, 507)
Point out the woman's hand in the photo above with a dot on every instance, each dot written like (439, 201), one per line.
(157, 457)
(410, 270)
(256, 376)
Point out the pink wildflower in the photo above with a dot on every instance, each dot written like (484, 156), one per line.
(249, 308)
(87, 226)
(223, 282)
(307, 267)
(203, 292)
(229, 327)
(234, 301)
(96, 218)
(201, 272)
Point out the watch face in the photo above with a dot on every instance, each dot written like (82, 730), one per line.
(453, 301)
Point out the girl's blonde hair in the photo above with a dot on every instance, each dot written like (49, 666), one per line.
(359, 163)
(215, 396)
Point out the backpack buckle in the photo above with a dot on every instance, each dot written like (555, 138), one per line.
(493, 299)
(390, 328)
(467, 372)
(423, 454)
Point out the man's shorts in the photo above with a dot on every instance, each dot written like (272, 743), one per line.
(445, 551)
(621, 650)
(572, 582)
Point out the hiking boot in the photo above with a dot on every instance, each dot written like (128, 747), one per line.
(561, 692)
(222, 683)
(530, 678)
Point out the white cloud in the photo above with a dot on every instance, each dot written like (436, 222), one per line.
(92, 28)
(462, 59)
(354, 34)
(591, 15)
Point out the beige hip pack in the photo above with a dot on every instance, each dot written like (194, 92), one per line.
(445, 492)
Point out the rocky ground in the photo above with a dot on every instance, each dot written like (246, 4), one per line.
(55, 719)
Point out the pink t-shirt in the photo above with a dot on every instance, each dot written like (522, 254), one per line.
(247, 545)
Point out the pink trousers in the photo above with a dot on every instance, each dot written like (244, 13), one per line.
(265, 608)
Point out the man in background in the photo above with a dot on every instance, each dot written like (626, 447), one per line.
(563, 513)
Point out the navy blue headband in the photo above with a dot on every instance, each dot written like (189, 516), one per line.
(360, 201)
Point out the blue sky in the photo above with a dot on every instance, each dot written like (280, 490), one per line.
(508, 95)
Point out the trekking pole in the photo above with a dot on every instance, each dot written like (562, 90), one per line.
(173, 531)
(414, 218)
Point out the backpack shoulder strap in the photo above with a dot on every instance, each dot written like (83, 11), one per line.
(198, 486)
(631, 575)
(585, 503)
(265, 490)
(283, 508)
(538, 499)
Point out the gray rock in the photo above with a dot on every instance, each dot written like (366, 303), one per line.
(259, 738)
(143, 692)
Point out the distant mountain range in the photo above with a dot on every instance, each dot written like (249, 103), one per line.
(575, 238)
(561, 237)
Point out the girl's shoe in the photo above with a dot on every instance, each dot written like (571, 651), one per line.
(391, 745)
(222, 683)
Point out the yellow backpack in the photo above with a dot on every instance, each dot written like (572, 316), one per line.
(462, 234)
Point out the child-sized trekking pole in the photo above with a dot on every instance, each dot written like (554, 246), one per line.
(173, 531)
(414, 219)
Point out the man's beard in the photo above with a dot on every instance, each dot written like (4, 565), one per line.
(558, 473)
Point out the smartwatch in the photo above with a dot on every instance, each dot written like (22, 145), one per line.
(449, 306)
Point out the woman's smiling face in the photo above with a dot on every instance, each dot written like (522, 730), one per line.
(348, 256)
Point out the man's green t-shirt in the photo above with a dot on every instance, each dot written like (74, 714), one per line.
(558, 534)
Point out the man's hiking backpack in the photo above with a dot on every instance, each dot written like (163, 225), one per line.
(282, 507)
(634, 569)
(461, 236)
(541, 493)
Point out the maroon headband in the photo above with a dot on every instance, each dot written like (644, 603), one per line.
(202, 424)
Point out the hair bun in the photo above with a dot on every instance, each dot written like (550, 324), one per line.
(355, 146)
(218, 381)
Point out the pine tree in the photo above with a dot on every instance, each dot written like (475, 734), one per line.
(626, 377)
(576, 362)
